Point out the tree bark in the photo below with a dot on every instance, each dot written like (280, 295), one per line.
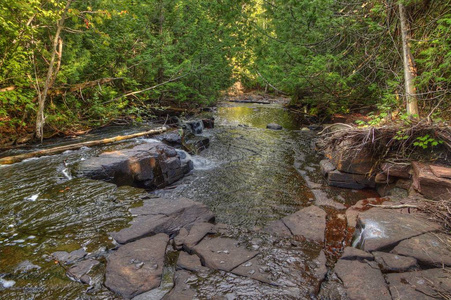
(409, 65)
(17, 158)
(40, 117)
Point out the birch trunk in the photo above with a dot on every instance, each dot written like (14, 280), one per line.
(409, 65)
(40, 117)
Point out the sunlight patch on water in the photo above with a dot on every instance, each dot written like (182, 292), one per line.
(33, 197)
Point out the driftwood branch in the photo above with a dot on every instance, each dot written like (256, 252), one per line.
(268, 83)
(17, 158)
(394, 206)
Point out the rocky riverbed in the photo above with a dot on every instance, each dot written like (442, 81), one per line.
(250, 217)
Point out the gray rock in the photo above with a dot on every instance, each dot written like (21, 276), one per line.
(194, 126)
(163, 215)
(395, 263)
(172, 138)
(274, 126)
(136, 267)
(361, 280)
(69, 258)
(351, 253)
(190, 262)
(326, 166)
(180, 238)
(309, 222)
(420, 285)
(182, 289)
(223, 253)
(384, 228)
(348, 158)
(431, 249)
(321, 268)
(80, 270)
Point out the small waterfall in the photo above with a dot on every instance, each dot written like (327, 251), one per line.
(199, 162)
(369, 230)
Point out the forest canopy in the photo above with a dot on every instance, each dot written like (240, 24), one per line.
(74, 64)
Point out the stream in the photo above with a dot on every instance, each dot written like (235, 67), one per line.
(248, 177)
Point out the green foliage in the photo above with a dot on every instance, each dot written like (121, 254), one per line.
(427, 141)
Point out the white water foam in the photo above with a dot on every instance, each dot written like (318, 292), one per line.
(7, 283)
(33, 197)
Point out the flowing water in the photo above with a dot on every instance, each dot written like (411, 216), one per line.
(248, 177)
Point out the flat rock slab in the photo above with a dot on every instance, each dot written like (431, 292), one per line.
(420, 285)
(223, 253)
(136, 267)
(395, 263)
(182, 289)
(351, 253)
(255, 270)
(163, 215)
(190, 262)
(361, 280)
(197, 232)
(432, 249)
(277, 227)
(440, 171)
(384, 228)
(309, 222)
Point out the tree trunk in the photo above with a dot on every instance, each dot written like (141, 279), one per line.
(17, 158)
(40, 118)
(409, 65)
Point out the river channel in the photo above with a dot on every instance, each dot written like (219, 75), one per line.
(248, 177)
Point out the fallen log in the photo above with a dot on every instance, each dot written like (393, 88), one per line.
(17, 158)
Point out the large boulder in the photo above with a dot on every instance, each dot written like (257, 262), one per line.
(428, 184)
(136, 267)
(162, 215)
(349, 180)
(151, 165)
(348, 158)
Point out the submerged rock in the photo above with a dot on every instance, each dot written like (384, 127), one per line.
(274, 126)
(80, 270)
(161, 215)
(136, 267)
(69, 258)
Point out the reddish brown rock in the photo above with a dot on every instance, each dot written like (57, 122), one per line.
(190, 262)
(395, 263)
(420, 285)
(430, 249)
(223, 253)
(440, 171)
(136, 267)
(431, 186)
(401, 170)
(309, 222)
(349, 159)
(361, 280)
